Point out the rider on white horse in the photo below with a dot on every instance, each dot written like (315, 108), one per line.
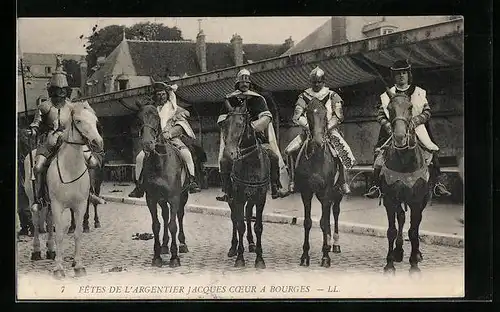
(174, 124)
(335, 117)
(52, 117)
(421, 112)
(261, 122)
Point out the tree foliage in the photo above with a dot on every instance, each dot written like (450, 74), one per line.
(72, 69)
(103, 41)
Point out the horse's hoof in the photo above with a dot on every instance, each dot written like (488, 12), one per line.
(419, 257)
(164, 250)
(251, 247)
(325, 262)
(73, 264)
(260, 264)
(304, 261)
(231, 253)
(97, 225)
(414, 270)
(176, 262)
(239, 263)
(157, 262)
(71, 230)
(398, 255)
(36, 255)
(336, 248)
(86, 230)
(389, 269)
(59, 274)
(51, 255)
(80, 272)
(183, 249)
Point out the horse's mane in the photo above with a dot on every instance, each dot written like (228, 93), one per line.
(315, 104)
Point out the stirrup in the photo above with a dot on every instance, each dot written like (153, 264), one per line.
(446, 192)
(372, 191)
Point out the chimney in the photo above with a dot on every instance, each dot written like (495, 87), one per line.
(201, 51)
(339, 29)
(83, 75)
(289, 43)
(237, 43)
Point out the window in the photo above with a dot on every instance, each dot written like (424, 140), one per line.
(48, 70)
(387, 31)
(122, 84)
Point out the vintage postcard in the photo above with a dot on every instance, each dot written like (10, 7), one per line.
(240, 157)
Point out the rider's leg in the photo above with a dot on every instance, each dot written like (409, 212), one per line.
(93, 160)
(186, 155)
(276, 191)
(138, 191)
(223, 197)
(292, 147)
(225, 174)
(374, 191)
(343, 177)
(38, 170)
(435, 172)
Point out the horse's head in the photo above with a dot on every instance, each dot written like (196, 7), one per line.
(149, 126)
(400, 113)
(236, 130)
(85, 121)
(316, 114)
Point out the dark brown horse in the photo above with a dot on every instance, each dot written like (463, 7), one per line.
(164, 183)
(317, 172)
(405, 181)
(249, 166)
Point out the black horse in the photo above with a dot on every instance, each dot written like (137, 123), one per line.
(165, 178)
(248, 164)
(405, 181)
(317, 172)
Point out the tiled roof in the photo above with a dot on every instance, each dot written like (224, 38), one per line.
(259, 52)
(47, 58)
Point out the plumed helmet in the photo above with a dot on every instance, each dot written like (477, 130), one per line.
(317, 74)
(59, 76)
(401, 65)
(243, 76)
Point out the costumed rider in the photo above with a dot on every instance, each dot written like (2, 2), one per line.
(261, 121)
(335, 116)
(401, 73)
(52, 117)
(174, 125)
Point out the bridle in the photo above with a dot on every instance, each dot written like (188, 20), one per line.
(407, 146)
(156, 133)
(309, 138)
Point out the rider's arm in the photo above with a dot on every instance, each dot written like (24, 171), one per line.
(298, 115)
(35, 125)
(425, 116)
(264, 116)
(338, 113)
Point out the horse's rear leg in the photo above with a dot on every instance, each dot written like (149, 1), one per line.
(391, 236)
(36, 253)
(248, 216)
(153, 210)
(57, 211)
(336, 214)
(306, 200)
(258, 227)
(415, 219)
(398, 251)
(180, 218)
(86, 228)
(77, 262)
(165, 213)
(72, 226)
(97, 224)
(172, 227)
(51, 253)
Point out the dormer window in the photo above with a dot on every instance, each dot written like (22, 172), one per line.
(386, 31)
(122, 81)
(48, 70)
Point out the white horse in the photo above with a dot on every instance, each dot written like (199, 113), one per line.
(68, 186)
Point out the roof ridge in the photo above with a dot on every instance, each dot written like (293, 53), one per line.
(162, 41)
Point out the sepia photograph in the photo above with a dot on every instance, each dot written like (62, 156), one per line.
(300, 157)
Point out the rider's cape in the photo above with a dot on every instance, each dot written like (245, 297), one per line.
(418, 100)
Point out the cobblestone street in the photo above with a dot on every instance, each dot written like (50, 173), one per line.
(208, 239)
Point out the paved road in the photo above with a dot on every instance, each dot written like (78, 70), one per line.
(208, 239)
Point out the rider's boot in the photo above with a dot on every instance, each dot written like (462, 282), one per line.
(138, 191)
(276, 190)
(345, 186)
(96, 200)
(374, 191)
(193, 185)
(225, 177)
(38, 171)
(439, 188)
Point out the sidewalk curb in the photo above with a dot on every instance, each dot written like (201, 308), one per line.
(431, 238)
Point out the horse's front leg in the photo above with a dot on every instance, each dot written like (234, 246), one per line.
(86, 228)
(390, 209)
(240, 226)
(415, 219)
(259, 228)
(234, 239)
(326, 204)
(97, 224)
(336, 214)
(398, 251)
(306, 200)
(248, 218)
(77, 262)
(152, 205)
(36, 253)
(165, 213)
(57, 211)
(180, 218)
(174, 202)
(51, 251)
(72, 226)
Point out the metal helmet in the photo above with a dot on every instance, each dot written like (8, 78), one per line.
(243, 76)
(59, 76)
(317, 74)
